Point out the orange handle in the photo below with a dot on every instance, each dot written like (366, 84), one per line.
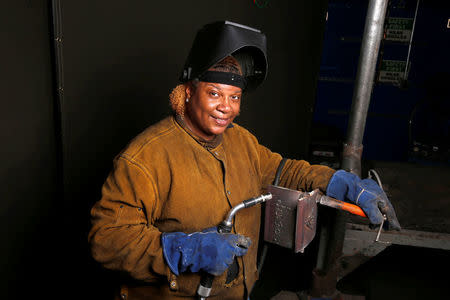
(338, 204)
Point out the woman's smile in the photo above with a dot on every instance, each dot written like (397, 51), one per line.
(211, 107)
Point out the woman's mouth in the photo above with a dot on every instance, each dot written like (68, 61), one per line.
(220, 121)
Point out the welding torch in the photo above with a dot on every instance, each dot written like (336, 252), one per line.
(351, 208)
(204, 289)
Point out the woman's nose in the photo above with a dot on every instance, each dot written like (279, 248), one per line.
(224, 105)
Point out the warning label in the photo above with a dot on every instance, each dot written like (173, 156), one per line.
(399, 29)
(391, 71)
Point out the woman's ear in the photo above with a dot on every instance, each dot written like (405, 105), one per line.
(189, 89)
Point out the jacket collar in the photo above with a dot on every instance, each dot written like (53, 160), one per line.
(216, 141)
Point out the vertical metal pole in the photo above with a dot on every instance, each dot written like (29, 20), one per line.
(373, 33)
(405, 74)
(330, 247)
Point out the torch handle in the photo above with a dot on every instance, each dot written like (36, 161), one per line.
(338, 204)
(204, 289)
(206, 281)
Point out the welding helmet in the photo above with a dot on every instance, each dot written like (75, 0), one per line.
(217, 40)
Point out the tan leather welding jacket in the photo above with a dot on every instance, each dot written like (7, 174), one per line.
(168, 180)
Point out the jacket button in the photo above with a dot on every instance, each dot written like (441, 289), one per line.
(173, 285)
(123, 296)
(228, 192)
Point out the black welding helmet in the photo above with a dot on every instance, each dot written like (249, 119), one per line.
(217, 40)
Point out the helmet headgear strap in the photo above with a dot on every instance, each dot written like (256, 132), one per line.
(224, 78)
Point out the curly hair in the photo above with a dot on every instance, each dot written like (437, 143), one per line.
(177, 99)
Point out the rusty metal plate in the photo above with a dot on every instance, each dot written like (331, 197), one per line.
(306, 222)
(280, 216)
(290, 218)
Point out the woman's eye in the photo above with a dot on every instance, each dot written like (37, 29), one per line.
(214, 94)
(236, 98)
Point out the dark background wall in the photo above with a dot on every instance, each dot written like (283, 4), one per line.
(29, 199)
(120, 61)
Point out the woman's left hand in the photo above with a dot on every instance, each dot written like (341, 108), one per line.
(365, 193)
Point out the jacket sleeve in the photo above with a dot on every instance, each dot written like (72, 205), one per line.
(296, 174)
(122, 236)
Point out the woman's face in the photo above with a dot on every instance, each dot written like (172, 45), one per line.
(211, 108)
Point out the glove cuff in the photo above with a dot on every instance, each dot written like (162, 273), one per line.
(171, 251)
(338, 186)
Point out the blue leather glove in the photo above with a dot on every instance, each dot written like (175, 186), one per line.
(366, 194)
(208, 250)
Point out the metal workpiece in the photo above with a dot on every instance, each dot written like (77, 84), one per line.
(291, 216)
(280, 216)
(306, 222)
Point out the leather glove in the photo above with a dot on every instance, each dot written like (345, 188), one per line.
(366, 194)
(208, 250)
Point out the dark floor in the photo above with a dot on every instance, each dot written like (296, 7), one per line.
(402, 272)
(399, 272)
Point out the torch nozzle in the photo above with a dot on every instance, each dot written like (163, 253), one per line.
(247, 203)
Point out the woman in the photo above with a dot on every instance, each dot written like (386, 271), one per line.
(179, 178)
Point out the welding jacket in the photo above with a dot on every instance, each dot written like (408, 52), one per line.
(168, 180)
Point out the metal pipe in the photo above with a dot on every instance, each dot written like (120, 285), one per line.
(322, 251)
(373, 33)
(331, 239)
(351, 160)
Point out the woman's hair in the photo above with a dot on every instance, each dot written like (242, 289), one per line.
(229, 64)
(177, 97)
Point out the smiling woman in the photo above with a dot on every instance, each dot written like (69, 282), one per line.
(176, 181)
(211, 106)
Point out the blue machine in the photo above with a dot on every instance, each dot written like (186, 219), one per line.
(409, 116)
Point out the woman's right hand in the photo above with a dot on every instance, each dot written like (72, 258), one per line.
(208, 250)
